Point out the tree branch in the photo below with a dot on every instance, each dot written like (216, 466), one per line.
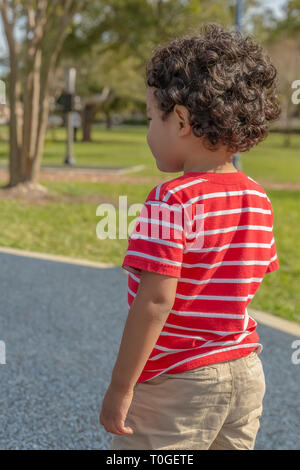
(37, 20)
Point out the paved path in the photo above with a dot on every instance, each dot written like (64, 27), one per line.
(62, 325)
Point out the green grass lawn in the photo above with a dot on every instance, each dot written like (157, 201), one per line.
(270, 160)
(115, 147)
(69, 228)
(279, 292)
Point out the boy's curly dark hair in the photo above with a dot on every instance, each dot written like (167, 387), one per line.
(226, 81)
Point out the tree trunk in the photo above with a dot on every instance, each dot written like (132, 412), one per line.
(28, 120)
(15, 121)
(31, 114)
(88, 118)
(108, 119)
(15, 132)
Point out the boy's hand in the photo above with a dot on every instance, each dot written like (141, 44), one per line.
(114, 410)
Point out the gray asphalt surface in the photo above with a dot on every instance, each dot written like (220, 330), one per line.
(62, 325)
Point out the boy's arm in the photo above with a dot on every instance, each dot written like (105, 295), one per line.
(146, 317)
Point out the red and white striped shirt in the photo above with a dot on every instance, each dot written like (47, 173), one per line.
(218, 270)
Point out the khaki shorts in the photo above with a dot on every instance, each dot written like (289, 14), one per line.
(211, 407)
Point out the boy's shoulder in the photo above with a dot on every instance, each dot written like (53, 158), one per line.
(254, 185)
(169, 191)
(173, 190)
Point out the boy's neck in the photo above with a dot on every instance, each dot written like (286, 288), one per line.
(227, 167)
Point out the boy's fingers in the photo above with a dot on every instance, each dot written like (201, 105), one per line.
(119, 428)
(122, 428)
(128, 430)
(116, 427)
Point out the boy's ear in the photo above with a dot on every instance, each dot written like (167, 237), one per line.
(182, 114)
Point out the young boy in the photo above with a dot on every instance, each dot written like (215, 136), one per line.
(188, 375)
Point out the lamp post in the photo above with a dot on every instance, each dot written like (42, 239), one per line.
(70, 80)
(239, 14)
(238, 25)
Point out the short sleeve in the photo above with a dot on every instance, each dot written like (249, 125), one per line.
(274, 263)
(157, 242)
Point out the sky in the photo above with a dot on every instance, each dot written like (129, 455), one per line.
(275, 5)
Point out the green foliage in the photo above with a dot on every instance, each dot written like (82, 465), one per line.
(113, 41)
